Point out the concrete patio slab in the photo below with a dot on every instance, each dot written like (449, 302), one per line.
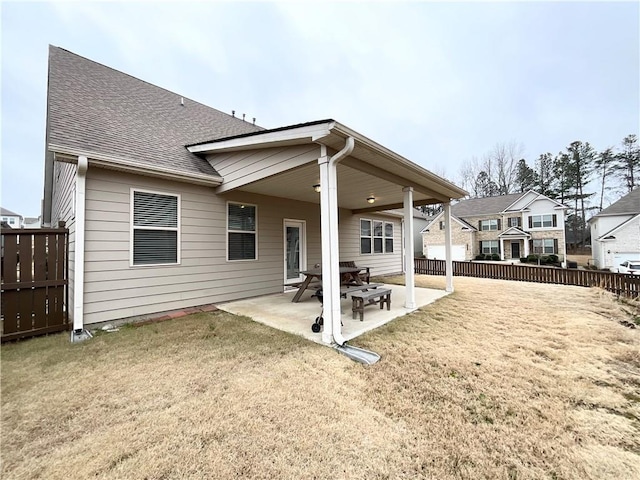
(279, 312)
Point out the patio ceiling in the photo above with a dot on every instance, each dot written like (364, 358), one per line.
(371, 170)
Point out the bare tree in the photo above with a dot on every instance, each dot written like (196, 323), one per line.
(495, 174)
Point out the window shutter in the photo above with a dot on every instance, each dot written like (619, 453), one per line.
(479, 224)
(519, 221)
(499, 224)
(555, 220)
(555, 243)
(480, 246)
(530, 222)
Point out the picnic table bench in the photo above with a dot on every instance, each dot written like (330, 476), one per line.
(370, 297)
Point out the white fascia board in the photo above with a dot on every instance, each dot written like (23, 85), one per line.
(400, 160)
(558, 205)
(435, 219)
(291, 136)
(125, 165)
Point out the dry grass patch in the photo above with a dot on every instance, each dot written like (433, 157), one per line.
(499, 380)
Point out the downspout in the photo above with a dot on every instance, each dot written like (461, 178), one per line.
(78, 333)
(330, 249)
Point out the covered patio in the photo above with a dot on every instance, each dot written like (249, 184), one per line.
(277, 311)
(349, 177)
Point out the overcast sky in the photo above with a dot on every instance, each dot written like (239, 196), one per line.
(438, 83)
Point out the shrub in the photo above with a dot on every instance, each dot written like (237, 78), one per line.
(553, 258)
(532, 258)
(523, 259)
(480, 256)
(544, 259)
(495, 256)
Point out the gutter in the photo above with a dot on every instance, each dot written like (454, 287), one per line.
(331, 249)
(78, 333)
(70, 155)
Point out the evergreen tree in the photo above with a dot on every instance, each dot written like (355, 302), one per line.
(545, 175)
(605, 165)
(628, 163)
(525, 177)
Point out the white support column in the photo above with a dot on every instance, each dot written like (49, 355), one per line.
(327, 224)
(409, 267)
(447, 248)
(501, 248)
(526, 247)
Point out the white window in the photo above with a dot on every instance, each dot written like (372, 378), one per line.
(540, 221)
(489, 225)
(489, 246)
(242, 226)
(365, 236)
(545, 245)
(12, 221)
(514, 221)
(376, 236)
(388, 237)
(155, 223)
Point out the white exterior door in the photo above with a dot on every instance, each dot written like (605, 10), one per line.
(295, 250)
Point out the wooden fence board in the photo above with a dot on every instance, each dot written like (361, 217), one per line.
(620, 284)
(34, 282)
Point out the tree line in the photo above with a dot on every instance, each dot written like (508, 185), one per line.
(579, 176)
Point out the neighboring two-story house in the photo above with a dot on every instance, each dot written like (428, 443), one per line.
(615, 232)
(12, 219)
(512, 226)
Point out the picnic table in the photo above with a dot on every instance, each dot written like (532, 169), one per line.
(350, 273)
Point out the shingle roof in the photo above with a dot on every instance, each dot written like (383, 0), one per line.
(9, 213)
(630, 203)
(95, 108)
(483, 206)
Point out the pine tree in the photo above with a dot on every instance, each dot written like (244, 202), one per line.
(628, 163)
(545, 175)
(525, 177)
(605, 167)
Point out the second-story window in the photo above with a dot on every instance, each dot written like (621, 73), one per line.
(543, 221)
(490, 224)
(514, 222)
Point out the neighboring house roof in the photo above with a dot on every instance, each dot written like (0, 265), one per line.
(93, 108)
(627, 205)
(484, 206)
(9, 213)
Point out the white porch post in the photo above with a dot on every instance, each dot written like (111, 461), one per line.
(526, 247)
(328, 223)
(409, 267)
(447, 248)
(330, 241)
(501, 248)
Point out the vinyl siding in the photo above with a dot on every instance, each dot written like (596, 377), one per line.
(114, 289)
(62, 209)
(349, 239)
(243, 167)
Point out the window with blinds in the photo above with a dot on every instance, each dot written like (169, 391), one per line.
(241, 231)
(155, 228)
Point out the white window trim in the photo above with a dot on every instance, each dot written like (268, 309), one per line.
(227, 232)
(482, 222)
(372, 236)
(177, 229)
(542, 226)
(490, 252)
(543, 240)
(385, 237)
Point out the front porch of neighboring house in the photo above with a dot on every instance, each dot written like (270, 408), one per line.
(514, 244)
(277, 311)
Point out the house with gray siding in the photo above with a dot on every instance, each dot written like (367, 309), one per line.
(172, 204)
(615, 232)
(512, 226)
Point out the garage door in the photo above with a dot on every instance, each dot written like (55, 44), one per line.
(618, 258)
(437, 251)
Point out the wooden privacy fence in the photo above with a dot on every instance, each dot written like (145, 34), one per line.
(34, 282)
(620, 284)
